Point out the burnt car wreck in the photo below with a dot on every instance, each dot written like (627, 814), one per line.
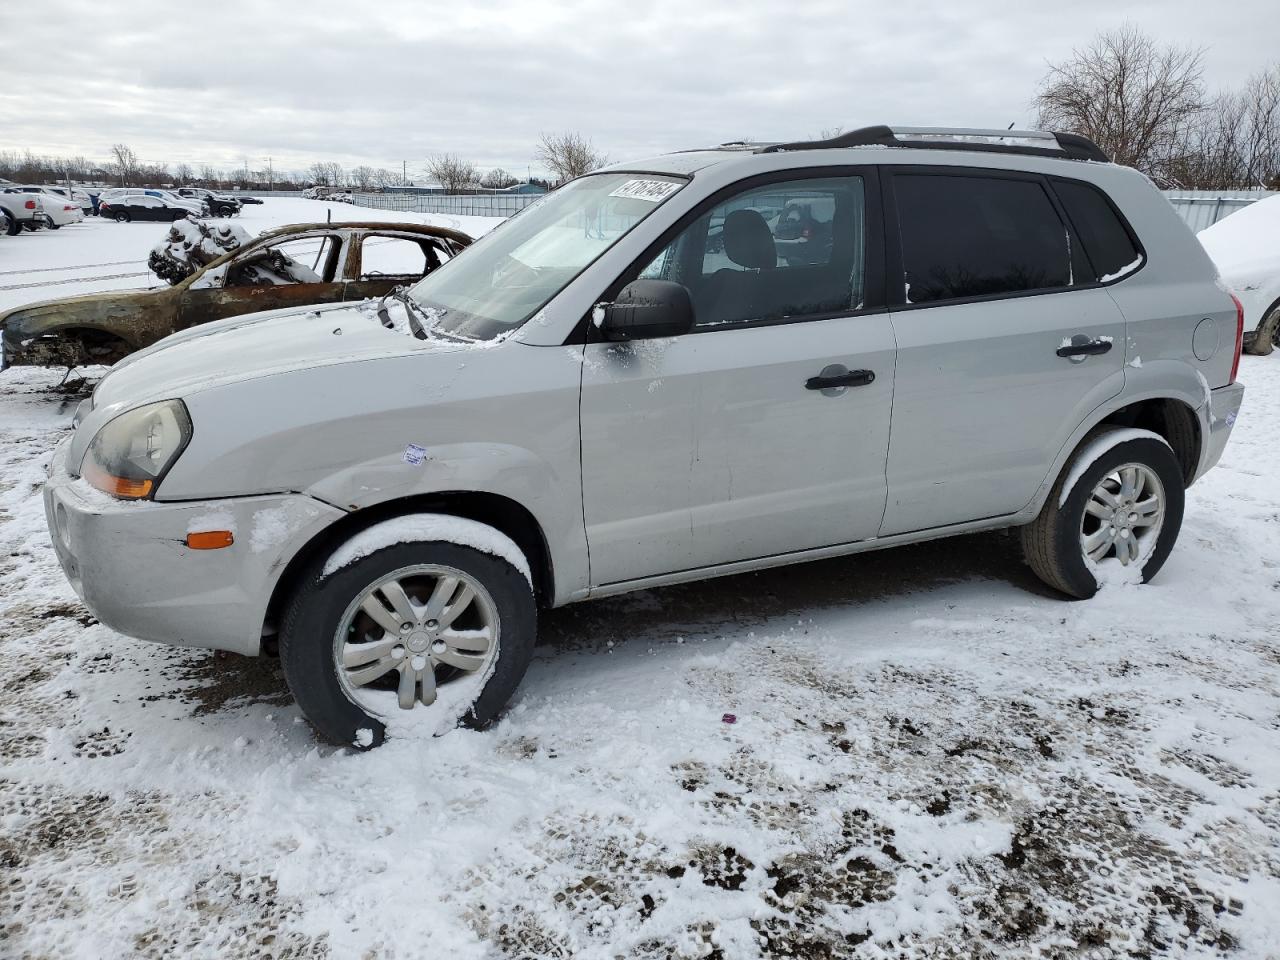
(295, 265)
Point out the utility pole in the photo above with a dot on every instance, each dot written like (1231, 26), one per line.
(271, 179)
(404, 173)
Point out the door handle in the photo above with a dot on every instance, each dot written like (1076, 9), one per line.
(1085, 348)
(848, 378)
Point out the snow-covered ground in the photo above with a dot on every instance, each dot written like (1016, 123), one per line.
(911, 753)
(101, 254)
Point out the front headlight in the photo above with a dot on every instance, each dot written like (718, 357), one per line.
(131, 454)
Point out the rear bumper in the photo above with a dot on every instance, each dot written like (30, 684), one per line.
(129, 562)
(1219, 417)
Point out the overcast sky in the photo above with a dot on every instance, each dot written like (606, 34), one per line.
(383, 81)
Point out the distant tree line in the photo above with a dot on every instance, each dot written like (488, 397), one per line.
(566, 155)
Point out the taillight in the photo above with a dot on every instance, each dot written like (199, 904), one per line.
(806, 233)
(70, 208)
(30, 204)
(1235, 364)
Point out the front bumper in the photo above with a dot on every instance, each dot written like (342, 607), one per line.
(129, 562)
(1221, 412)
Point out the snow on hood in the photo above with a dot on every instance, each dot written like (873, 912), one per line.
(253, 346)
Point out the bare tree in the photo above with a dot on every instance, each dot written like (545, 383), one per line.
(452, 172)
(124, 162)
(362, 177)
(183, 173)
(497, 179)
(1135, 99)
(327, 173)
(568, 155)
(383, 178)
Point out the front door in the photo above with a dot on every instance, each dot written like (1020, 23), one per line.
(297, 271)
(725, 444)
(1006, 342)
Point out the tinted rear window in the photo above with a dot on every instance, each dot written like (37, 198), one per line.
(970, 236)
(1109, 245)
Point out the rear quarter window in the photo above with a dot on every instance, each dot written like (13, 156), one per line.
(1110, 246)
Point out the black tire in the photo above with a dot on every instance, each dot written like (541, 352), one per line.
(12, 227)
(122, 216)
(1262, 341)
(48, 222)
(1051, 542)
(313, 613)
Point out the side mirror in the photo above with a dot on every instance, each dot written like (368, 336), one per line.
(646, 309)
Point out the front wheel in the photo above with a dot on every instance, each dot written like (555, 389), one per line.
(1114, 513)
(415, 636)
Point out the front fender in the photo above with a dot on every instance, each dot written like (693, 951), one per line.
(136, 316)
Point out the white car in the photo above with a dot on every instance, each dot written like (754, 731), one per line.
(1246, 248)
(56, 210)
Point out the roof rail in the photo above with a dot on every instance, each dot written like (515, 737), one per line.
(1040, 143)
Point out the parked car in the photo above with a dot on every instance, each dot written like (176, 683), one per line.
(1246, 248)
(56, 209)
(584, 404)
(245, 198)
(219, 205)
(74, 194)
(141, 207)
(303, 264)
(194, 206)
(22, 209)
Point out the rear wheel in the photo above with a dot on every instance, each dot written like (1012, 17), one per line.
(11, 226)
(1116, 510)
(1262, 341)
(425, 635)
(122, 216)
(48, 222)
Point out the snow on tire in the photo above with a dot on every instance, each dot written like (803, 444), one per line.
(410, 628)
(1114, 514)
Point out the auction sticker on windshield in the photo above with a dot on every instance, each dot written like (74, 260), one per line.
(655, 191)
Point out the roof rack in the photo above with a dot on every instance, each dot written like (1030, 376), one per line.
(1039, 143)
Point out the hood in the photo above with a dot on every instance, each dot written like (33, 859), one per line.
(253, 346)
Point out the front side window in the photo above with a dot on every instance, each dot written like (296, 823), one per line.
(301, 260)
(973, 236)
(512, 272)
(783, 251)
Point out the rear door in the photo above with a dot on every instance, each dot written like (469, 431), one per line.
(723, 445)
(1006, 342)
(379, 262)
(146, 208)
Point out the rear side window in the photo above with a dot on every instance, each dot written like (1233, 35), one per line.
(1108, 243)
(973, 236)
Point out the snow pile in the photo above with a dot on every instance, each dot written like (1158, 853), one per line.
(191, 245)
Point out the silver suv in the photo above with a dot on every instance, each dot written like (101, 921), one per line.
(637, 382)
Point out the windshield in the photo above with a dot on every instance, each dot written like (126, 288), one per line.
(510, 274)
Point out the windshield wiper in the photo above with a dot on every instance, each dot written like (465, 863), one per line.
(412, 310)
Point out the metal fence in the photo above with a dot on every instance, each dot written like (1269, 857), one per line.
(1204, 208)
(457, 205)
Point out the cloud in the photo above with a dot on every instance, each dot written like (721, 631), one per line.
(398, 80)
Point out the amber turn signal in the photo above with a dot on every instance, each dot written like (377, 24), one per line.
(121, 487)
(210, 539)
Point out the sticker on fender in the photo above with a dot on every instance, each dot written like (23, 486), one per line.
(655, 191)
(414, 455)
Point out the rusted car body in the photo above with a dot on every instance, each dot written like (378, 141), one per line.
(294, 265)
